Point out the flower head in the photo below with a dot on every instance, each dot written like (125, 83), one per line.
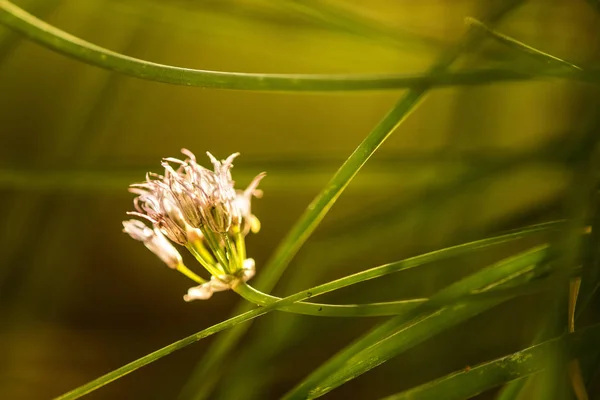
(198, 208)
(155, 202)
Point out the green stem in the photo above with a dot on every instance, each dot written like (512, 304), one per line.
(235, 264)
(215, 246)
(387, 308)
(190, 274)
(202, 251)
(329, 310)
(53, 38)
(240, 245)
(394, 307)
(196, 250)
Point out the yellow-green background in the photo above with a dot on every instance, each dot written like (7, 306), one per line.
(79, 298)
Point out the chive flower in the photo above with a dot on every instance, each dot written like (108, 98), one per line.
(200, 209)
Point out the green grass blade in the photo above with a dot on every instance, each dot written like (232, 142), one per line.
(62, 42)
(470, 382)
(405, 331)
(220, 351)
(388, 308)
(346, 21)
(276, 334)
(298, 297)
(522, 47)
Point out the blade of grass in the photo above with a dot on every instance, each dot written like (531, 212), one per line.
(347, 21)
(388, 308)
(200, 384)
(292, 174)
(470, 382)
(286, 302)
(577, 204)
(64, 43)
(275, 334)
(519, 46)
(405, 331)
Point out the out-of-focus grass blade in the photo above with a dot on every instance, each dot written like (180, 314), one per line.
(346, 21)
(293, 174)
(522, 47)
(578, 205)
(405, 331)
(474, 380)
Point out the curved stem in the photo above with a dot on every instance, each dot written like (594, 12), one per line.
(53, 38)
(387, 308)
(328, 310)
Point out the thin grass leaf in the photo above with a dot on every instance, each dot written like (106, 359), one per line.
(64, 43)
(584, 183)
(292, 174)
(474, 380)
(520, 46)
(346, 21)
(405, 331)
(388, 308)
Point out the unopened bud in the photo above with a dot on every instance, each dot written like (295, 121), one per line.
(155, 241)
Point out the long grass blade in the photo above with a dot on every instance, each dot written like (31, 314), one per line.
(298, 297)
(62, 42)
(469, 382)
(405, 331)
(520, 46)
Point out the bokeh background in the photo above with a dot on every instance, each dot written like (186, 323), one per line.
(79, 298)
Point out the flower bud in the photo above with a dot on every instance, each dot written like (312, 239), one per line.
(155, 241)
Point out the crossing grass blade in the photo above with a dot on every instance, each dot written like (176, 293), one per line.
(405, 331)
(470, 382)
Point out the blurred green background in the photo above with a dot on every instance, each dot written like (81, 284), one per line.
(80, 298)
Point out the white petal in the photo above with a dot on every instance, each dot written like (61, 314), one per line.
(201, 292)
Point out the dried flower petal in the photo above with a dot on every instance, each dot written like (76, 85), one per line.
(220, 283)
(200, 292)
(155, 241)
(243, 203)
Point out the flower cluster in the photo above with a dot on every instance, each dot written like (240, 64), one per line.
(200, 209)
